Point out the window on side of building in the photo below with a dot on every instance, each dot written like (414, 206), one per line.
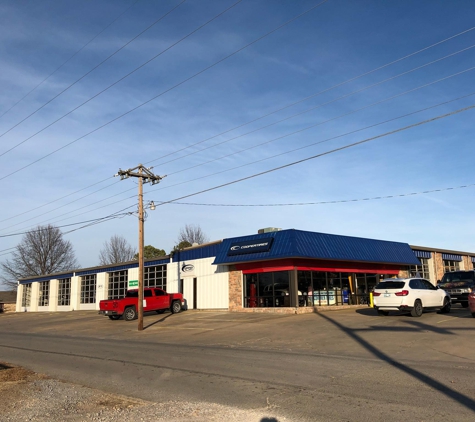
(118, 284)
(64, 292)
(450, 265)
(43, 294)
(420, 270)
(26, 295)
(88, 288)
(156, 277)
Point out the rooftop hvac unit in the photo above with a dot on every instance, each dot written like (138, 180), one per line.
(268, 230)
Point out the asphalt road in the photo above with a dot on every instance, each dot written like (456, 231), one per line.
(348, 365)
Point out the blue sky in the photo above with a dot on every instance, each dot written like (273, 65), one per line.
(210, 103)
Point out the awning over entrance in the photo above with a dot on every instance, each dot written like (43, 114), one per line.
(343, 250)
(307, 265)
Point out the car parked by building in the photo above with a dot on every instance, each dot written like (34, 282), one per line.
(458, 284)
(471, 302)
(414, 295)
(155, 299)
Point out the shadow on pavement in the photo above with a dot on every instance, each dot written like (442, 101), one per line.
(464, 400)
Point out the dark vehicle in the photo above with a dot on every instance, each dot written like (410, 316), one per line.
(458, 284)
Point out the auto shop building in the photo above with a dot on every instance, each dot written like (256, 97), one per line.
(274, 270)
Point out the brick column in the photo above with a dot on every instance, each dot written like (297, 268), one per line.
(235, 289)
(439, 265)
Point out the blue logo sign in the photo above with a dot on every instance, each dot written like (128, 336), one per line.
(251, 246)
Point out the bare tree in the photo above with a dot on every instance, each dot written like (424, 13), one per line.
(41, 251)
(116, 250)
(192, 233)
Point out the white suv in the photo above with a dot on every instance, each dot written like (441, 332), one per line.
(409, 294)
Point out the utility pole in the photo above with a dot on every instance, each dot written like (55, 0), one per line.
(145, 176)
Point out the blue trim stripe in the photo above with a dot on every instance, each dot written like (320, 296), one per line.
(47, 278)
(422, 254)
(451, 257)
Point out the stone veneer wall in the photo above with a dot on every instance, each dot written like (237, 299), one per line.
(235, 289)
(467, 262)
(439, 265)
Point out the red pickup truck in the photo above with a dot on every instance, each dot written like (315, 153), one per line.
(155, 299)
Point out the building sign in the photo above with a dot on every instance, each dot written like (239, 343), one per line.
(133, 283)
(187, 270)
(251, 246)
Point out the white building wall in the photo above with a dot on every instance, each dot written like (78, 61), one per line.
(75, 293)
(102, 287)
(53, 295)
(35, 288)
(212, 287)
(19, 296)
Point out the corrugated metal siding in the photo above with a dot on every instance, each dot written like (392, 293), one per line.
(297, 243)
(197, 253)
(47, 278)
(212, 283)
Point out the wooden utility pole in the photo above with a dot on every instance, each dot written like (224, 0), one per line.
(145, 176)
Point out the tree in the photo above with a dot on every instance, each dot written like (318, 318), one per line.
(116, 250)
(192, 233)
(150, 252)
(41, 251)
(182, 245)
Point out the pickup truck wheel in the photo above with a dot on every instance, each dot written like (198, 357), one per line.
(130, 313)
(114, 317)
(176, 307)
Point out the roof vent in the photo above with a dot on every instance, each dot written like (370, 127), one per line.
(268, 230)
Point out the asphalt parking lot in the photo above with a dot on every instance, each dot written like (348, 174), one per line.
(339, 331)
(385, 367)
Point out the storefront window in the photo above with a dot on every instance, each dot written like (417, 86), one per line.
(267, 290)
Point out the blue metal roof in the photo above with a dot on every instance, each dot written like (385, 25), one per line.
(199, 252)
(302, 244)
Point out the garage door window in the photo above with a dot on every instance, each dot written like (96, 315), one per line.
(64, 292)
(88, 288)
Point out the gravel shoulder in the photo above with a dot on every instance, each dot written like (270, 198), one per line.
(28, 396)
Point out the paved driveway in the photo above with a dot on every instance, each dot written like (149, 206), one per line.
(335, 365)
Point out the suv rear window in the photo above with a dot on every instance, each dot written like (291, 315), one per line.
(390, 285)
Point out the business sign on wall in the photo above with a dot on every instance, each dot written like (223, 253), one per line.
(250, 246)
(187, 270)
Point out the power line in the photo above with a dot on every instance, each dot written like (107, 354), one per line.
(160, 203)
(308, 145)
(257, 161)
(442, 116)
(74, 83)
(388, 64)
(68, 60)
(316, 94)
(320, 123)
(339, 201)
(156, 96)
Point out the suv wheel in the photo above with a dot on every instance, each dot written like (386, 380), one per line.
(417, 309)
(447, 305)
